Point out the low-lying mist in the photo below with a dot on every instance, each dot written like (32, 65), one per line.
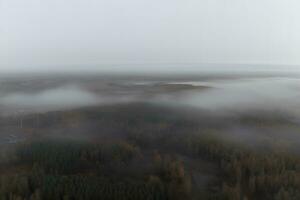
(56, 98)
(244, 95)
(132, 129)
(63, 97)
(228, 96)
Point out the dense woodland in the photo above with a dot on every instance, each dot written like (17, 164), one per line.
(142, 151)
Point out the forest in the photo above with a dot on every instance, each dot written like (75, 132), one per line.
(147, 151)
(149, 100)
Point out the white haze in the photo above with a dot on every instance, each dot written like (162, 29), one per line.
(93, 34)
(224, 96)
(51, 99)
(60, 98)
(242, 95)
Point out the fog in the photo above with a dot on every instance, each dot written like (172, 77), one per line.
(122, 35)
(68, 96)
(63, 97)
(241, 94)
(215, 102)
(280, 94)
(136, 99)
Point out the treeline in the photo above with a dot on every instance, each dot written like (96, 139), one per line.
(71, 169)
(248, 173)
(133, 152)
(64, 169)
(70, 187)
(73, 156)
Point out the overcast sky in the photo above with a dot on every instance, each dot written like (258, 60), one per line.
(68, 34)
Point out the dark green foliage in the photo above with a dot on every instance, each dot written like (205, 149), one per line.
(85, 187)
(66, 169)
(49, 187)
(143, 152)
(71, 156)
(247, 173)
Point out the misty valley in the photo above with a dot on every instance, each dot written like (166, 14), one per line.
(149, 100)
(150, 137)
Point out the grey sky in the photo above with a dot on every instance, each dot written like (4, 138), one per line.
(35, 34)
